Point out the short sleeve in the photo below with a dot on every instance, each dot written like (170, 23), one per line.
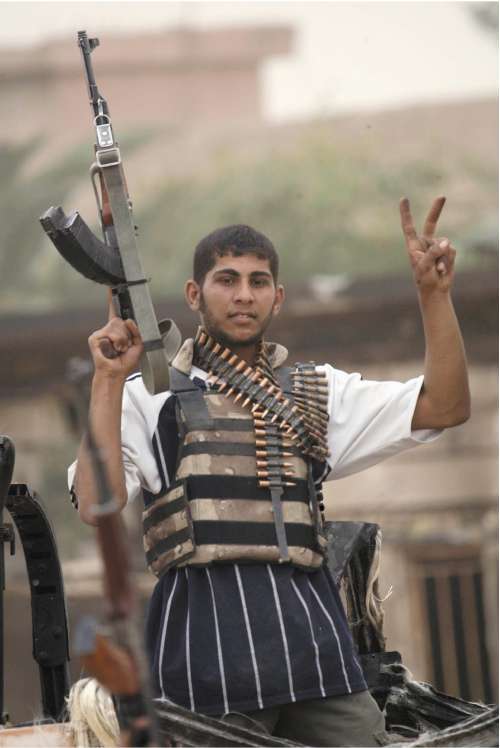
(141, 470)
(139, 418)
(370, 421)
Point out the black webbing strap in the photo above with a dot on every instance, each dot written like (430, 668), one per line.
(191, 401)
(168, 543)
(239, 487)
(163, 512)
(211, 532)
(313, 498)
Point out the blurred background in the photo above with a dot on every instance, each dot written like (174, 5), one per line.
(308, 121)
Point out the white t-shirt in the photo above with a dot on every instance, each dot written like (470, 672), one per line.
(369, 421)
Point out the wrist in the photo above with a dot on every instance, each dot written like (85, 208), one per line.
(108, 381)
(433, 296)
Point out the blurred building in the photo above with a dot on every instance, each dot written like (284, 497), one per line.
(179, 77)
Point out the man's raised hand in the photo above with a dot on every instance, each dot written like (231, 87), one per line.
(117, 347)
(432, 259)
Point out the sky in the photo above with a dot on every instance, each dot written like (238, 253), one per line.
(347, 56)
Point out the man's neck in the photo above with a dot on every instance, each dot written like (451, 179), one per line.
(248, 353)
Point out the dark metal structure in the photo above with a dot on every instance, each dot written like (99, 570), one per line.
(48, 607)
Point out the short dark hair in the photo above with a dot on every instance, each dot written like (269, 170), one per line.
(235, 240)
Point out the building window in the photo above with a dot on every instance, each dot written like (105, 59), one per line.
(451, 594)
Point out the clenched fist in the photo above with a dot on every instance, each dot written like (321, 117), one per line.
(117, 347)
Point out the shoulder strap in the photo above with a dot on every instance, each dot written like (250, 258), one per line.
(191, 401)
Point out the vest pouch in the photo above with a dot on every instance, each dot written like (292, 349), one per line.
(168, 529)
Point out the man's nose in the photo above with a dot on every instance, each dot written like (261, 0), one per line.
(244, 293)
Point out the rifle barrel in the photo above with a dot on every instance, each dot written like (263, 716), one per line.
(86, 46)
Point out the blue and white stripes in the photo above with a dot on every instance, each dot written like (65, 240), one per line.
(245, 637)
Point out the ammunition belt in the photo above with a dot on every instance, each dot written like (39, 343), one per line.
(301, 420)
(282, 424)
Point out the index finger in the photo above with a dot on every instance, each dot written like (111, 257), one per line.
(433, 217)
(407, 220)
(112, 313)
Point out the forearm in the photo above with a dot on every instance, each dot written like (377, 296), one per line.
(446, 397)
(105, 423)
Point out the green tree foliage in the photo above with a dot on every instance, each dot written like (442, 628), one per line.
(328, 209)
(32, 275)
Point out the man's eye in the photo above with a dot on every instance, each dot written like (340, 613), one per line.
(259, 282)
(227, 280)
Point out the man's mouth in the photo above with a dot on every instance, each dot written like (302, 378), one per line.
(242, 315)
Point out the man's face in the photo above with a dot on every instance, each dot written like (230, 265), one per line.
(237, 300)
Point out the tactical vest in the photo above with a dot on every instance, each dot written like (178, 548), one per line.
(215, 510)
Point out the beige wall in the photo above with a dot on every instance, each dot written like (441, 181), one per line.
(173, 78)
(441, 493)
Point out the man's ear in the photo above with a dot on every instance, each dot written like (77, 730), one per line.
(192, 292)
(278, 299)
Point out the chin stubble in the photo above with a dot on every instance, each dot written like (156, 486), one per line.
(215, 331)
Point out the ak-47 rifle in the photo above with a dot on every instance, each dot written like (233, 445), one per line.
(116, 261)
(119, 663)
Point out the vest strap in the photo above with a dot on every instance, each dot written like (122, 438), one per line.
(217, 448)
(279, 523)
(191, 401)
(207, 532)
(162, 512)
(177, 538)
(180, 382)
(313, 497)
(238, 487)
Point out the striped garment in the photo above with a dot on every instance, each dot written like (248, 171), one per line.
(240, 637)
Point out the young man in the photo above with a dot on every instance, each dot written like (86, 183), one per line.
(245, 616)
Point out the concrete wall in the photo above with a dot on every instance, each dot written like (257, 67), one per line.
(437, 496)
(176, 78)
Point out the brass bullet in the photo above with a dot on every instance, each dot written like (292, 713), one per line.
(264, 453)
(313, 392)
